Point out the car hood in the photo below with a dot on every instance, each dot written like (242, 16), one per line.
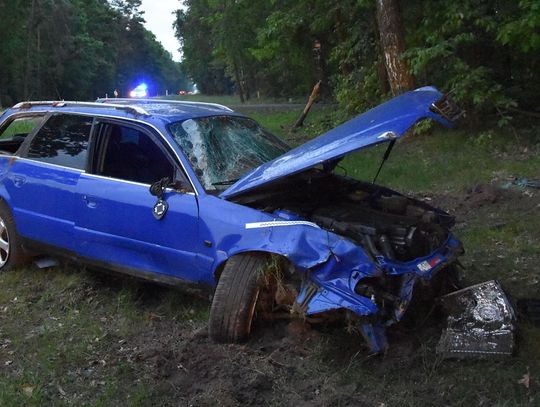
(381, 124)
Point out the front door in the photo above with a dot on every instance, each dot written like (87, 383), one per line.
(115, 222)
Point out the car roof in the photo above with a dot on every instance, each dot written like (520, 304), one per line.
(166, 110)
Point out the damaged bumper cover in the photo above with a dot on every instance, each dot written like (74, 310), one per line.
(333, 285)
(481, 323)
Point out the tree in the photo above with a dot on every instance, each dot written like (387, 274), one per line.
(392, 40)
(78, 49)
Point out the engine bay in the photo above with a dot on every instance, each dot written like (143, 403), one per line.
(383, 221)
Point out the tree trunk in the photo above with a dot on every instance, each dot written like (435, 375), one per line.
(311, 100)
(238, 81)
(382, 76)
(28, 62)
(393, 45)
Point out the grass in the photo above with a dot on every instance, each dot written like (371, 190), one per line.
(69, 336)
(62, 335)
(444, 160)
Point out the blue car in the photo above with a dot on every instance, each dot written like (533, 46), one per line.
(198, 195)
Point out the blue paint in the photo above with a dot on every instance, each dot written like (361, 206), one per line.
(378, 125)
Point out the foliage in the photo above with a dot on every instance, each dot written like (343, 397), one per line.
(79, 49)
(485, 51)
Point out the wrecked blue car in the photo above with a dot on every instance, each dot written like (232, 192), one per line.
(197, 194)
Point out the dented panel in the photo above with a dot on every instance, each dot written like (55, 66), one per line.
(381, 124)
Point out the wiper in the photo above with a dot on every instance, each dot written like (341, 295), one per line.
(228, 182)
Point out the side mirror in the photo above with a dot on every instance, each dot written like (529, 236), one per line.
(158, 188)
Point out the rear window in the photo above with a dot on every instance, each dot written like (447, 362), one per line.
(20, 127)
(63, 140)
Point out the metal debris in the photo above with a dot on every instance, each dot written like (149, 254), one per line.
(46, 262)
(481, 323)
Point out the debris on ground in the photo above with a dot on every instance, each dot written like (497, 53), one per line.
(481, 323)
(522, 183)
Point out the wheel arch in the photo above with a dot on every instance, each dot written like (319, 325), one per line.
(218, 269)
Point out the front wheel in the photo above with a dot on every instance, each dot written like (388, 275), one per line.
(235, 299)
(11, 251)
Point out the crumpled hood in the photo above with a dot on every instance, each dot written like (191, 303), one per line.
(381, 124)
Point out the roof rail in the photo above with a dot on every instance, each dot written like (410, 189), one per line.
(128, 108)
(179, 102)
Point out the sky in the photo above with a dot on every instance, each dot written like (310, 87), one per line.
(159, 20)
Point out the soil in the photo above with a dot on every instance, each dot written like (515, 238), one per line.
(292, 363)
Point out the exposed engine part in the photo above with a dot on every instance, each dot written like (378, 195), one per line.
(386, 246)
(392, 226)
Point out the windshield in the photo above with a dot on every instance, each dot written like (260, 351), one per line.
(221, 149)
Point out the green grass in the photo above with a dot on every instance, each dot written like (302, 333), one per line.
(445, 160)
(61, 333)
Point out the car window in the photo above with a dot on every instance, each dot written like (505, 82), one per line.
(63, 140)
(132, 155)
(221, 149)
(20, 127)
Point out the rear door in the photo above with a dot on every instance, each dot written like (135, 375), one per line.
(115, 221)
(41, 182)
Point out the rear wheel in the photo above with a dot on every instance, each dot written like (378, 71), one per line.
(11, 252)
(236, 296)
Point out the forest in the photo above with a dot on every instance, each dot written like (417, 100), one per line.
(79, 49)
(485, 51)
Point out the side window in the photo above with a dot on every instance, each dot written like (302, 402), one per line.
(63, 140)
(20, 127)
(132, 155)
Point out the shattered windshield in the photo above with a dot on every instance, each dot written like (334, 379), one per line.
(221, 149)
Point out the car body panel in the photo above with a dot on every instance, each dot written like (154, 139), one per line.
(42, 199)
(115, 224)
(381, 124)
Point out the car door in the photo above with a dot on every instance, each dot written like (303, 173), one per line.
(41, 182)
(115, 221)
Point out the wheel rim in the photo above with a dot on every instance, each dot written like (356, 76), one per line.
(4, 243)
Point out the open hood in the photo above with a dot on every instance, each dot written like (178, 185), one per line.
(381, 124)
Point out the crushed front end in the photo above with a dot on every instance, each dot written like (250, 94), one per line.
(399, 242)
(377, 245)
(360, 247)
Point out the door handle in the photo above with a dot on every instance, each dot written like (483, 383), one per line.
(89, 201)
(19, 180)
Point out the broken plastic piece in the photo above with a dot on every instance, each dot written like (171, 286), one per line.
(375, 337)
(481, 323)
(46, 262)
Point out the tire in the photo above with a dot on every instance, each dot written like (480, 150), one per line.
(235, 299)
(11, 251)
